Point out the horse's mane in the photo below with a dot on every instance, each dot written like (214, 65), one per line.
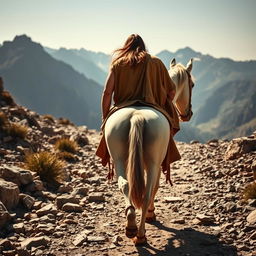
(180, 71)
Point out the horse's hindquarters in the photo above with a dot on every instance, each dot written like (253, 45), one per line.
(155, 134)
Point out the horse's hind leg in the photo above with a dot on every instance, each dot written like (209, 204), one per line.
(152, 177)
(150, 216)
(118, 147)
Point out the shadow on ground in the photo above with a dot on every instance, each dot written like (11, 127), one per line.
(187, 242)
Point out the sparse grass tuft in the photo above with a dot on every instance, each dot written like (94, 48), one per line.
(67, 156)
(66, 145)
(16, 130)
(65, 121)
(6, 96)
(250, 191)
(49, 117)
(47, 165)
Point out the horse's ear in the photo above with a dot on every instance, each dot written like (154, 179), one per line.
(172, 63)
(189, 65)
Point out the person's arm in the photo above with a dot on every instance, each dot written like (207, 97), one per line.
(107, 95)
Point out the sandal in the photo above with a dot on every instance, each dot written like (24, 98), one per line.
(153, 218)
(130, 232)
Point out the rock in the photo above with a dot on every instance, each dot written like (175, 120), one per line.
(36, 185)
(251, 218)
(173, 199)
(61, 200)
(240, 146)
(19, 227)
(96, 197)
(81, 238)
(204, 219)
(9, 194)
(65, 188)
(98, 239)
(178, 221)
(6, 244)
(69, 207)
(80, 191)
(253, 236)
(28, 243)
(16, 175)
(230, 207)
(81, 139)
(4, 215)
(27, 200)
(22, 252)
(49, 208)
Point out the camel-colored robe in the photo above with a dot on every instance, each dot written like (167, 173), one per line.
(148, 83)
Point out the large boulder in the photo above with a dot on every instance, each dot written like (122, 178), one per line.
(4, 215)
(16, 175)
(240, 146)
(9, 194)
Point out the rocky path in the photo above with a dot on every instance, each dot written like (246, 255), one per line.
(202, 214)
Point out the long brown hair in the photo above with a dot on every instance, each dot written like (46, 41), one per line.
(133, 51)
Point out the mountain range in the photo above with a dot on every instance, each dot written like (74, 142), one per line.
(46, 80)
(46, 85)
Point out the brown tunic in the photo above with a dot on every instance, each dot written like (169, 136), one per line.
(147, 83)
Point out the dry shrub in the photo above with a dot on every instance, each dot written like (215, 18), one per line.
(6, 96)
(250, 191)
(47, 165)
(16, 130)
(49, 117)
(65, 121)
(67, 156)
(66, 145)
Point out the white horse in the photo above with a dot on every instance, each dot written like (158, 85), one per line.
(137, 138)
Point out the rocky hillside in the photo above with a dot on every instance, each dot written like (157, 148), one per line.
(46, 85)
(204, 213)
(229, 110)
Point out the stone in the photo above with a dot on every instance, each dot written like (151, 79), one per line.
(9, 194)
(98, 239)
(28, 243)
(69, 207)
(6, 244)
(61, 200)
(178, 221)
(205, 219)
(19, 227)
(49, 208)
(81, 238)
(27, 200)
(36, 185)
(173, 199)
(4, 215)
(251, 218)
(96, 197)
(240, 146)
(16, 175)
(65, 188)
(253, 236)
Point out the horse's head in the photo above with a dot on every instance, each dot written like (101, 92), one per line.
(184, 83)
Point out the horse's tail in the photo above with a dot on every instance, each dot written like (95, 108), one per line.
(135, 165)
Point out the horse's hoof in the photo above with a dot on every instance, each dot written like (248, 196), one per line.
(139, 240)
(151, 219)
(131, 232)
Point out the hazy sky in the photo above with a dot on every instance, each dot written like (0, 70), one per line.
(222, 28)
